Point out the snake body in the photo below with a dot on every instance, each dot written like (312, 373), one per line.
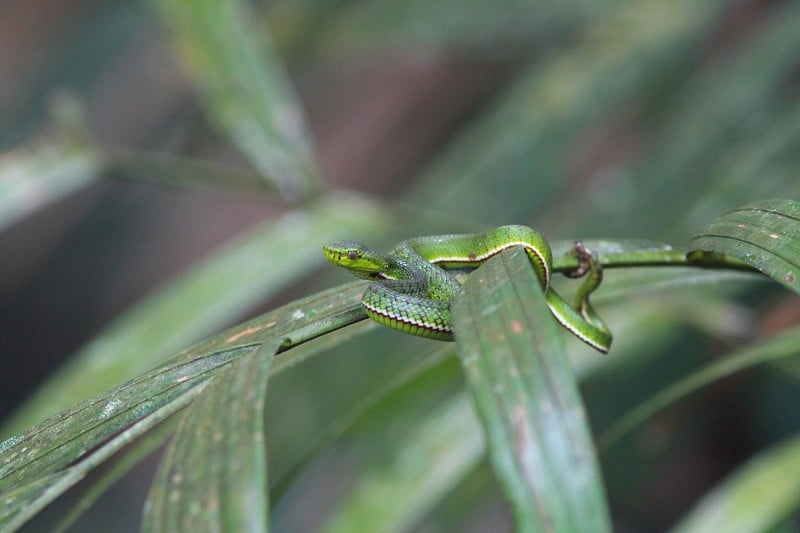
(416, 282)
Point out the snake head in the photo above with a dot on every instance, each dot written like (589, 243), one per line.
(357, 258)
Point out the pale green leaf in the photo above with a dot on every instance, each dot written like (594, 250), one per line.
(757, 497)
(246, 90)
(211, 293)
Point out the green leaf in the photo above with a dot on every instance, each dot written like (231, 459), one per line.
(759, 496)
(167, 169)
(210, 294)
(775, 348)
(214, 472)
(246, 90)
(127, 460)
(35, 176)
(764, 234)
(24, 500)
(526, 395)
(65, 438)
(479, 26)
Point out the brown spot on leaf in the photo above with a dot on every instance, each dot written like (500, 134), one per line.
(244, 332)
(789, 278)
(516, 326)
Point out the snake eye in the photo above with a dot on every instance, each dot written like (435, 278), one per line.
(352, 255)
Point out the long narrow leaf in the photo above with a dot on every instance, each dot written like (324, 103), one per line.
(210, 294)
(32, 177)
(25, 500)
(214, 473)
(246, 90)
(759, 496)
(782, 346)
(65, 438)
(526, 395)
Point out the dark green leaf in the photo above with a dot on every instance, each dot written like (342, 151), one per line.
(764, 234)
(65, 438)
(214, 473)
(525, 393)
(26, 499)
(130, 457)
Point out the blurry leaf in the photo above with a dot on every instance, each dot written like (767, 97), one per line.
(731, 102)
(520, 143)
(211, 293)
(32, 177)
(433, 455)
(623, 283)
(248, 94)
(477, 25)
(332, 428)
(757, 497)
(526, 395)
(185, 172)
(214, 474)
(755, 167)
(781, 346)
(764, 234)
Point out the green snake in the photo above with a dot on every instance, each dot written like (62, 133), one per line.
(416, 282)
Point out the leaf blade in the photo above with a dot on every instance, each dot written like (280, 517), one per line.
(759, 496)
(247, 91)
(764, 234)
(214, 473)
(209, 294)
(526, 394)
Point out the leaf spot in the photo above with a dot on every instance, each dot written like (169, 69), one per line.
(773, 236)
(110, 407)
(246, 331)
(521, 429)
(789, 278)
(516, 326)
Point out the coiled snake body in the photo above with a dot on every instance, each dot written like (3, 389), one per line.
(416, 282)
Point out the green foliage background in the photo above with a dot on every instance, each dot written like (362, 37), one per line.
(638, 119)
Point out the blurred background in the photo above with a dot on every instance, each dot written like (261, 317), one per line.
(641, 119)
